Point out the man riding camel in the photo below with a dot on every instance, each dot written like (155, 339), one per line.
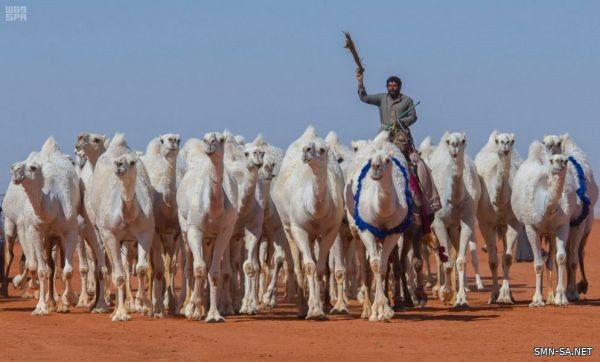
(397, 113)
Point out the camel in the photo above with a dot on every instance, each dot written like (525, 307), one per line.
(120, 208)
(379, 209)
(544, 200)
(12, 206)
(48, 217)
(456, 179)
(244, 163)
(308, 197)
(160, 162)
(342, 256)
(207, 200)
(496, 170)
(89, 147)
(273, 245)
(581, 225)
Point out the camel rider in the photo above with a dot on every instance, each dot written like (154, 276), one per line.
(397, 113)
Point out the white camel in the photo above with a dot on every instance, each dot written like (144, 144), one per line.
(244, 163)
(308, 196)
(89, 147)
(160, 162)
(496, 171)
(120, 208)
(342, 264)
(49, 217)
(456, 179)
(544, 200)
(379, 210)
(207, 200)
(581, 225)
(273, 244)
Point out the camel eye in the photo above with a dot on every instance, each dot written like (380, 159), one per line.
(321, 150)
(32, 168)
(96, 140)
(496, 141)
(558, 144)
(131, 163)
(387, 160)
(448, 142)
(162, 142)
(462, 141)
(246, 154)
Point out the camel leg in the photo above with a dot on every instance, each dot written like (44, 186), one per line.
(70, 242)
(417, 265)
(299, 272)
(582, 286)
(351, 269)
(38, 268)
(145, 241)
(269, 298)
(445, 292)
(339, 274)
(10, 236)
(475, 263)
(51, 273)
(380, 310)
(129, 300)
(509, 241)
(573, 243)
(84, 297)
(251, 269)
(100, 272)
(560, 296)
(214, 272)
(225, 304)
(487, 230)
(113, 247)
(466, 236)
(158, 267)
(538, 264)
(264, 260)
(300, 236)
(187, 276)
(195, 308)
(235, 247)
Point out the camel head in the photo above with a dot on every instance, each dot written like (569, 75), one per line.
(213, 144)
(315, 152)
(267, 171)
(456, 143)
(26, 172)
(381, 165)
(504, 143)
(169, 144)
(254, 152)
(91, 144)
(554, 143)
(558, 164)
(358, 145)
(125, 167)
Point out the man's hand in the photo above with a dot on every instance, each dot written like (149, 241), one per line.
(360, 77)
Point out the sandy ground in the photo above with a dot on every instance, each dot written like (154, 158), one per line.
(435, 332)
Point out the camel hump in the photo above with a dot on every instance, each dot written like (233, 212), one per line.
(50, 147)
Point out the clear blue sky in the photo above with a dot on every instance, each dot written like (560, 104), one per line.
(144, 68)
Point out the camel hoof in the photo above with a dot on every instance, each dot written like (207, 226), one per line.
(62, 308)
(505, 297)
(537, 301)
(461, 300)
(121, 316)
(39, 311)
(582, 287)
(317, 317)
(100, 310)
(214, 317)
(339, 311)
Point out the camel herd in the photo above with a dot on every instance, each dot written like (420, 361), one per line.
(341, 223)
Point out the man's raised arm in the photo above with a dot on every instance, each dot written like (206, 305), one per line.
(362, 93)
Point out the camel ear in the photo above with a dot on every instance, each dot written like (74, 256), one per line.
(493, 136)
(512, 138)
(445, 137)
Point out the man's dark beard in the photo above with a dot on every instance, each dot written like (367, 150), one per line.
(394, 95)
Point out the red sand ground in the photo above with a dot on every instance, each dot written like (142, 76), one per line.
(433, 333)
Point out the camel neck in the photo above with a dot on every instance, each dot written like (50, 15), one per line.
(168, 183)
(37, 198)
(455, 181)
(215, 189)
(248, 191)
(320, 192)
(385, 196)
(556, 184)
(500, 191)
(128, 202)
